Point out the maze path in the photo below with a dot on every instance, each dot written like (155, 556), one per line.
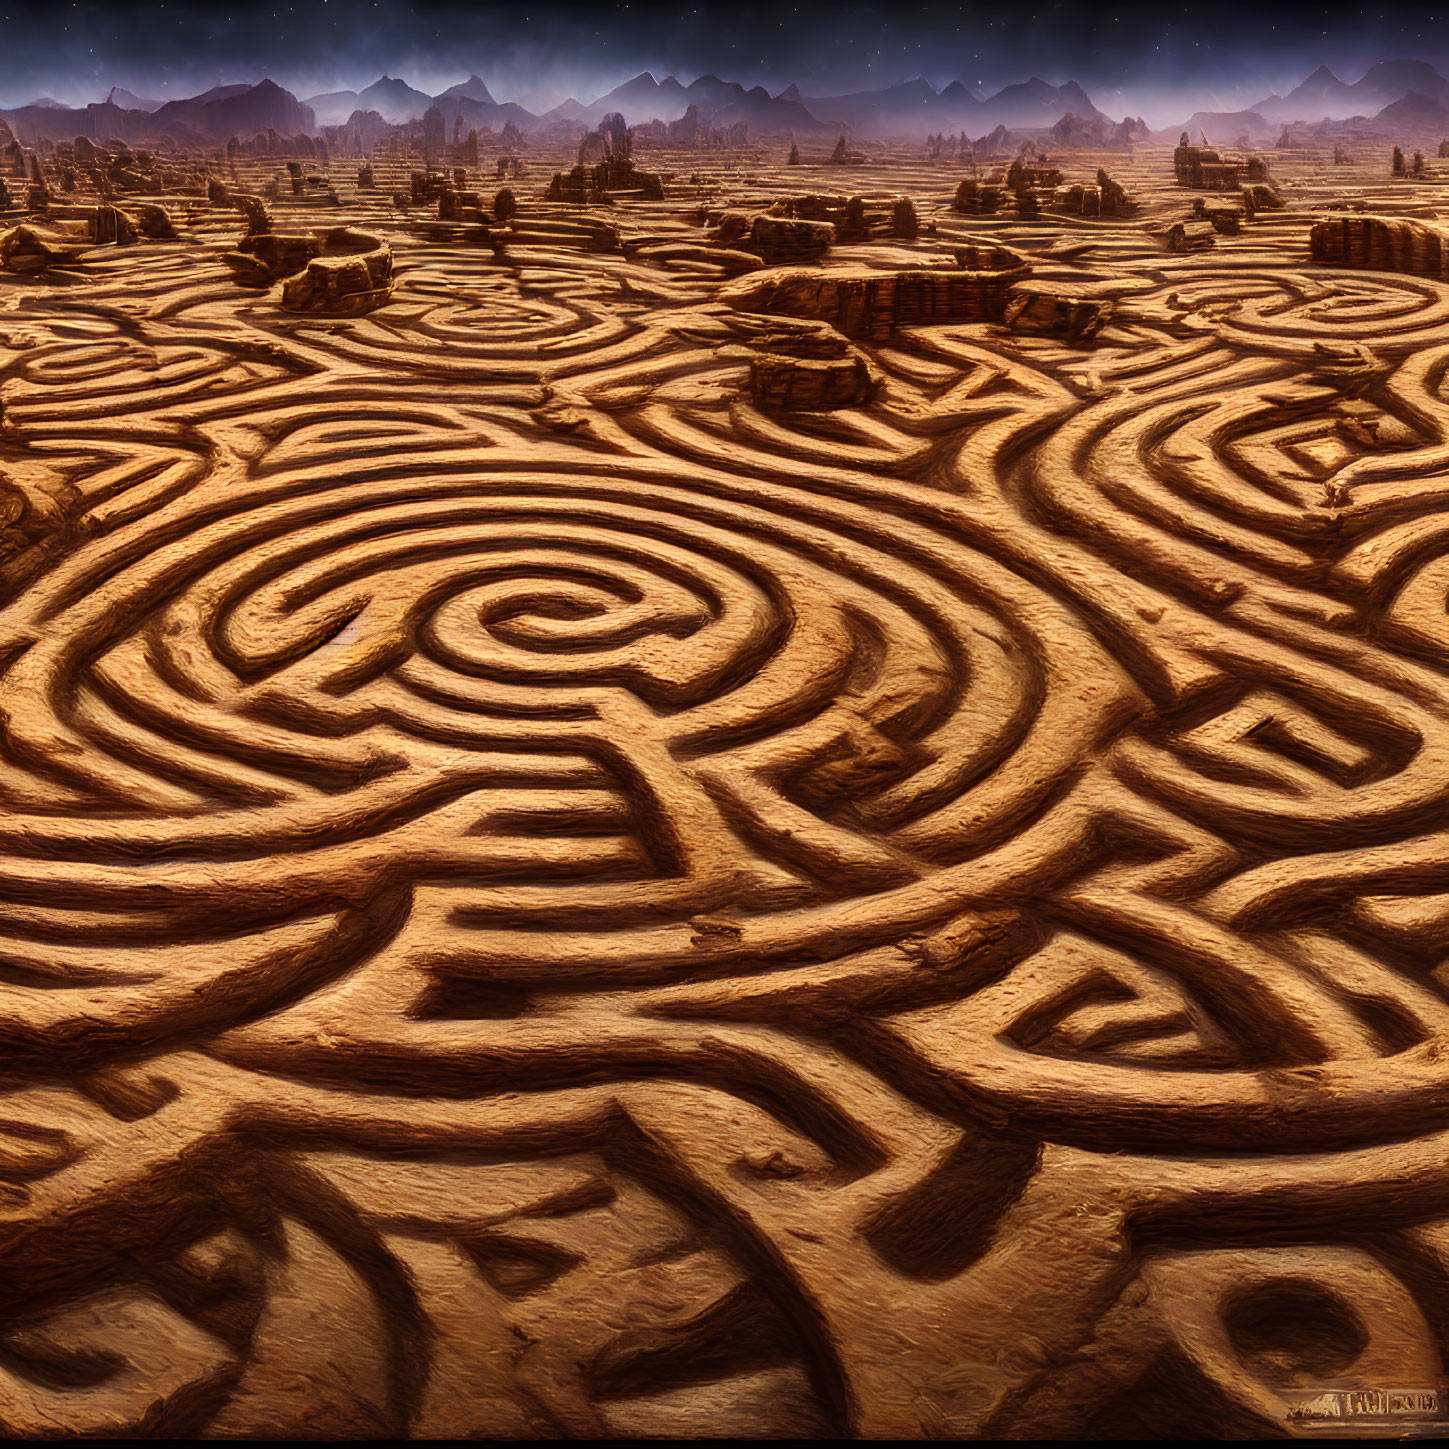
(539, 897)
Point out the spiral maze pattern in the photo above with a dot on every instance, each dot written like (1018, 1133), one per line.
(509, 843)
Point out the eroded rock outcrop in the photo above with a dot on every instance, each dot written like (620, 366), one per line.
(1106, 198)
(1058, 311)
(861, 302)
(1204, 169)
(614, 175)
(975, 197)
(1260, 196)
(810, 370)
(773, 238)
(1226, 217)
(1382, 243)
(342, 272)
(1191, 236)
(30, 250)
(855, 218)
(352, 276)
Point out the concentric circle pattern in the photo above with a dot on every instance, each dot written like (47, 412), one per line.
(542, 896)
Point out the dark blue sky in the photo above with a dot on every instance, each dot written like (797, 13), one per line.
(1130, 55)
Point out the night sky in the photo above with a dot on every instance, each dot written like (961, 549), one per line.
(1130, 55)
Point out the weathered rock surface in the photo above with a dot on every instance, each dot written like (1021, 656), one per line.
(30, 250)
(1382, 243)
(865, 303)
(352, 276)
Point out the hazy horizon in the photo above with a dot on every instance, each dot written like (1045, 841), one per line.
(1159, 62)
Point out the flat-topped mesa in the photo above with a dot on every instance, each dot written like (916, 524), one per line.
(809, 367)
(353, 275)
(1382, 244)
(862, 302)
(1204, 169)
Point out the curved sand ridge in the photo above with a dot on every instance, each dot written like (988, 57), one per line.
(539, 895)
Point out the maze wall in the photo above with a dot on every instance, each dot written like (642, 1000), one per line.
(539, 898)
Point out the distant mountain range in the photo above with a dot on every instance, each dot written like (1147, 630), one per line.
(1391, 94)
(1393, 98)
(1324, 95)
(916, 105)
(723, 103)
(204, 120)
(393, 100)
(901, 109)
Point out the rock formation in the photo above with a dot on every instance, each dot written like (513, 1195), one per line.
(1382, 243)
(614, 175)
(351, 275)
(1226, 217)
(1260, 196)
(861, 302)
(1204, 169)
(1056, 312)
(1106, 198)
(1191, 236)
(774, 238)
(31, 250)
(975, 197)
(810, 370)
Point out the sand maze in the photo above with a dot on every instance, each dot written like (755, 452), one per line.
(543, 894)
(307, 666)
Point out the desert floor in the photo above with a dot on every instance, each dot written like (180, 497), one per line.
(541, 895)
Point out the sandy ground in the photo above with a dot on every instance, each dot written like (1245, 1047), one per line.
(543, 896)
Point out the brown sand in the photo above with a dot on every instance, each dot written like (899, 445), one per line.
(548, 889)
